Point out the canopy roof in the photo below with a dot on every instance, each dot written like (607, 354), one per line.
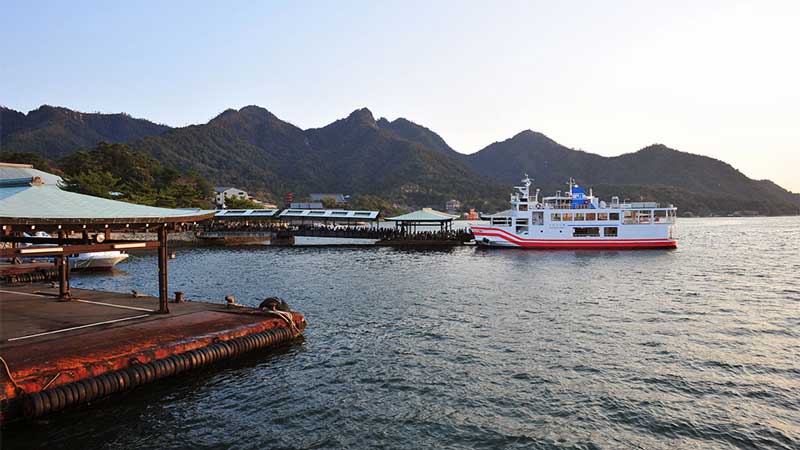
(338, 214)
(423, 215)
(12, 171)
(28, 201)
(245, 213)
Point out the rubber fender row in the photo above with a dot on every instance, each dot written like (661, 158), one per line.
(39, 275)
(58, 398)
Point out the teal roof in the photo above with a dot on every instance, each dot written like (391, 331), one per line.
(10, 171)
(423, 215)
(33, 204)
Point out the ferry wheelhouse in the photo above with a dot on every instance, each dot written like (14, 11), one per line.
(577, 219)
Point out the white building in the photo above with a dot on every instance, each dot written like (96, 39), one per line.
(223, 192)
(452, 206)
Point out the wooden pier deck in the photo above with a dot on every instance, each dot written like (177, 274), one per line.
(60, 354)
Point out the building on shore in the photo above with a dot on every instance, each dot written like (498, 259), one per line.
(452, 206)
(223, 192)
(288, 199)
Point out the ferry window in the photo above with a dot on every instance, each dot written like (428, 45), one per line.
(555, 217)
(591, 216)
(602, 216)
(523, 207)
(613, 216)
(567, 217)
(627, 217)
(522, 229)
(610, 231)
(660, 215)
(579, 216)
(644, 216)
(586, 231)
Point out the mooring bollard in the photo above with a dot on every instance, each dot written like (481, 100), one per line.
(231, 301)
(179, 297)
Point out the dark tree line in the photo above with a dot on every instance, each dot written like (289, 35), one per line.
(118, 172)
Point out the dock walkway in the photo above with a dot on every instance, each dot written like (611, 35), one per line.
(57, 352)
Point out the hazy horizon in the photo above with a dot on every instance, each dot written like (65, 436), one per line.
(716, 79)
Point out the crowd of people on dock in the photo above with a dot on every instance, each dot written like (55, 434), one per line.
(319, 230)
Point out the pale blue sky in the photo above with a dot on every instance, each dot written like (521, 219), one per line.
(715, 78)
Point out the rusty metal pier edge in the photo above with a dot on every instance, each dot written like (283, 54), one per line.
(38, 404)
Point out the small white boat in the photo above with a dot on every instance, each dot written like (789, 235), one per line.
(97, 260)
(86, 261)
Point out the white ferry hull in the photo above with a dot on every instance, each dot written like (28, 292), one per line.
(499, 237)
(577, 220)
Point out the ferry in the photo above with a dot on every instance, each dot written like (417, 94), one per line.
(576, 219)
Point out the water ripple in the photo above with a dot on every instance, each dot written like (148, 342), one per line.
(462, 348)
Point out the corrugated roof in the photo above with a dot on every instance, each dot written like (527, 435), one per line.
(328, 214)
(306, 205)
(423, 215)
(245, 213)
(49, 204)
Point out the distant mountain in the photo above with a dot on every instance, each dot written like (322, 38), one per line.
(548, 162)
(364, 157)
(695, 183)
(254, 149)
(401, 161)
(249, 148)
(54, 132)
(410, 131)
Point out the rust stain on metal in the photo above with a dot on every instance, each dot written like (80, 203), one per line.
(93, 354)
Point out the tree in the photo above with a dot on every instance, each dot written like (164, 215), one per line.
(35, 160)
(331, 203)
(375, 203)
(241, 203)
(97, 183)
(132, 176)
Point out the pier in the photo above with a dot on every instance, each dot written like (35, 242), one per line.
(327, 227)
(61, 347)
(62, 354)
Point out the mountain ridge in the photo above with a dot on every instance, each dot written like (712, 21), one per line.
(55, 132)
(400, 159)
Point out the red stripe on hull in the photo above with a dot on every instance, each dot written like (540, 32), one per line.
(517, 238)
(597, 244)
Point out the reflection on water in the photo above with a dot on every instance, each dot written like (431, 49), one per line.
(696, 347)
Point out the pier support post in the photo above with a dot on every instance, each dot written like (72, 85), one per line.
(62, 264)
(163, 300)
(63, 273)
